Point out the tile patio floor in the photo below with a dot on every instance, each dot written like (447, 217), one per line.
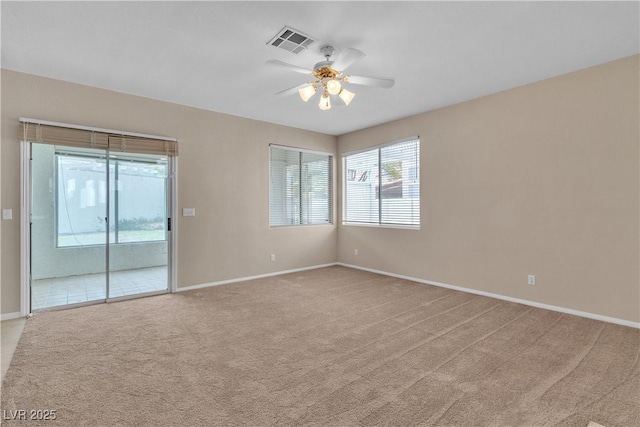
(47, 293)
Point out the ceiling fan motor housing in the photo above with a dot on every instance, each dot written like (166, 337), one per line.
(327, 51)
(323, 70)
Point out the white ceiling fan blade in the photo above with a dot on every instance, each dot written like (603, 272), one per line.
(292, 90)
(371, 81)
(347, 58)
(290, 67)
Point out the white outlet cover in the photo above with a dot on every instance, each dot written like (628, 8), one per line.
(189, 212)
(7, 213)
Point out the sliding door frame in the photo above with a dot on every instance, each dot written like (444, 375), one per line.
(25, 234)
(25, 228)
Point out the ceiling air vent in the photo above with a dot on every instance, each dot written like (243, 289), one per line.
(291, 40)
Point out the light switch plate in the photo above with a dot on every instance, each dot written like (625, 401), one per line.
(188, 211)
(7, 213)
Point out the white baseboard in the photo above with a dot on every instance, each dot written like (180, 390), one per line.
(504, 297)
(15, 315)
(259, 276)
(9, 316)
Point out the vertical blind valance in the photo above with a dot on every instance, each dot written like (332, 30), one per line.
(85, 138)
(127, 144)
(43, 134)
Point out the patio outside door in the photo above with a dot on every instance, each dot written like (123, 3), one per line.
(98, 225)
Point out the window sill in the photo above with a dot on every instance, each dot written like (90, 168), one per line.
(373, 225)
(276, 227)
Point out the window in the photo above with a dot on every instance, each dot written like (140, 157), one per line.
(382, 185)
(300, 191)
(137, 200)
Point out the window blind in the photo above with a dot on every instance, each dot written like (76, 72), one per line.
(126, 144)
(300, 191)
(98, 139)
(382, 185)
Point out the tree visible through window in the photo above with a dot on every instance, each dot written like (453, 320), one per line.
(382, 185)
(300, 191)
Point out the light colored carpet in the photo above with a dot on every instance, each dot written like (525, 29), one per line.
(333, 346)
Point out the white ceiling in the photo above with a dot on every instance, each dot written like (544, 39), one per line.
(212, 55)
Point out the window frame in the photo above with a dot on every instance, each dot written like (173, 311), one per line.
(330, 186)
(108, 161)
(378, 149)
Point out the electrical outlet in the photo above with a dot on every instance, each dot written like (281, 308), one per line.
(531, 279)
(355, 252)
(273, 257)
(189, 212)
(7, 213)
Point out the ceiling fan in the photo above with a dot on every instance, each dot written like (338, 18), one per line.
(330, 77)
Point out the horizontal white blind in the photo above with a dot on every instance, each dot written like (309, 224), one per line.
(300, 191)
(361, 202)
(382, 186)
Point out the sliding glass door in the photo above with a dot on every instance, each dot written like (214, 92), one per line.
(138, 229)
(68, 226)
(99, 226)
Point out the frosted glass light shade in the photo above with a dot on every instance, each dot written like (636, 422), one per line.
(333, 87)
(346, 96)
(325, 104)
(307, 92)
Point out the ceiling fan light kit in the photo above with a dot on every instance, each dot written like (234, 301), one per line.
(325, 103)
(333, 87)
(330, 77)
(307, 92)
(346, 96)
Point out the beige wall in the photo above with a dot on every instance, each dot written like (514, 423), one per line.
(542, 179)
(222, 172)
